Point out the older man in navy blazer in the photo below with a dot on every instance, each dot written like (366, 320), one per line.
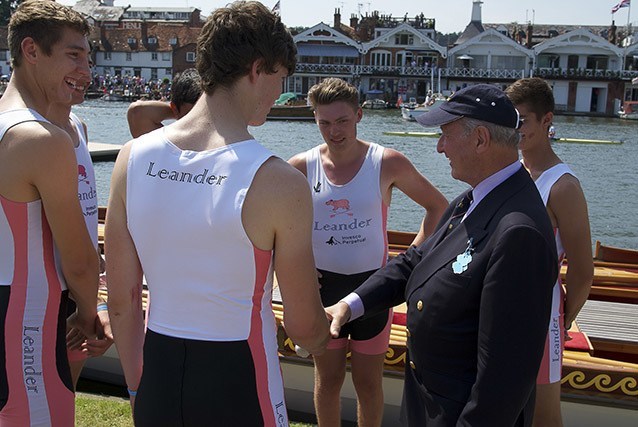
(478, 291)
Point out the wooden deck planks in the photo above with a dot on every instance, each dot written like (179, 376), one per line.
(604, 320)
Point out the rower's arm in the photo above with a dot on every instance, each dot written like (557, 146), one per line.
(282, 220)
(146, 116)
(568, 205)
(398, 171)
(124, 274)
(53, 172)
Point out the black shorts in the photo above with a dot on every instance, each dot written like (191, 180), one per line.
(335, 286)
(197, 383)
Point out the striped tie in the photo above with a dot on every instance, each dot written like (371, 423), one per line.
(459, 212)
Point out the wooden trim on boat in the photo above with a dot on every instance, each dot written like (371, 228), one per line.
(615, 255)
(604, 381)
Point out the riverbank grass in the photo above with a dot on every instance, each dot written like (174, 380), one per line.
(96, 411)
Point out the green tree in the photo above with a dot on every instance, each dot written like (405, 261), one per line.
(6, 9)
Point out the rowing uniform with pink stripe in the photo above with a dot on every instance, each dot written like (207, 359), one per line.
(35, 383)
(87, 190)
(550, 370)
(349, 240)
(210, 353)
(87, 195)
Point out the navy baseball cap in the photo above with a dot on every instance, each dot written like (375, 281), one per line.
(481, 102)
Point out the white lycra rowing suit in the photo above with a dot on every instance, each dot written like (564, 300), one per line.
(87, 193)
(349, 228)
(550, 370)
(35, 384)
(207, 281)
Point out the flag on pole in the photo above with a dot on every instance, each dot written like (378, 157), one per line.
(623, 3)
(276, 9)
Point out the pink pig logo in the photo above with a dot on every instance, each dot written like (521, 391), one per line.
(82, 176)
(341, 206)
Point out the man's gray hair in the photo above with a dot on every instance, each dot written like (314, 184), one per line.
(500, 134)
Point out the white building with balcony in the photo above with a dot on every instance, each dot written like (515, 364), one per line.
(581, 66)
(490, 56)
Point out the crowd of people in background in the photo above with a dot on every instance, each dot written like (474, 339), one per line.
(132, 87)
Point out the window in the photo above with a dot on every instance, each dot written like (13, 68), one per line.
(152, 40)
(172, 41)
(107, 56)
(572, 61)
(153, 73)
(166, 56)
(597, 62)
(129, 56)
(381, 58)
(168, 71)
(153, 56)
(404, 39)
(190, 56)
(3, 55)
(132, 40)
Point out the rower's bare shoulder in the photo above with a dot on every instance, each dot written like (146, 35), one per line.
(41, 144)
(278, 175)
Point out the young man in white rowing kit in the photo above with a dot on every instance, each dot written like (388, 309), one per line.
(351, 184)
(567, 208)
(45, 249)
(198, 208)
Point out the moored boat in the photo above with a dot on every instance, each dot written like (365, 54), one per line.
(629, 110)
(374, 104)
(568, 140)
(411, 111)
(291, 112)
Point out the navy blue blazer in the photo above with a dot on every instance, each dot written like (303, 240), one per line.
(475, 338)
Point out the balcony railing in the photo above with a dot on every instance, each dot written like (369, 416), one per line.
(325, 68)
(477, 73)
(482, 74)
(585, 73)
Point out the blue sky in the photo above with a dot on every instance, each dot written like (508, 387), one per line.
(450, 15)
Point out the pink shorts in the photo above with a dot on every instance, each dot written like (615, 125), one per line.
(552, 363)
(373, 346)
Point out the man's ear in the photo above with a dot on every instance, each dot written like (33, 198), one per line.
(256, 69)
(547, 119)
(174, 109)
(30, 50)
(483, 139)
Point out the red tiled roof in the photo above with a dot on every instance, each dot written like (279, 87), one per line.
(117, 39)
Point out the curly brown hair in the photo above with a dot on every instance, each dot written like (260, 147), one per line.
(234, 37)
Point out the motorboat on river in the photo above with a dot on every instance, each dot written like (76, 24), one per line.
(629, 110)
(411, 110)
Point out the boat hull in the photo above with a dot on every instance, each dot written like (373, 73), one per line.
(291, 112)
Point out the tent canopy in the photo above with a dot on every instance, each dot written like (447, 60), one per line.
(285, 97)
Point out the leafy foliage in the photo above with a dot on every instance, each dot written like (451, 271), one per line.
(6, 9)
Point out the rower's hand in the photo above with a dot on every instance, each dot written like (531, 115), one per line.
(339, 315)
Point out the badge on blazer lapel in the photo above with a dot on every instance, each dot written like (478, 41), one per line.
(464, 259)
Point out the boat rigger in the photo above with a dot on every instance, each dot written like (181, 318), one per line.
(570, 140)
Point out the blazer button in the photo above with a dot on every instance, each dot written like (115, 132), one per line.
(419, 305)
(451, 226)
(412, 365)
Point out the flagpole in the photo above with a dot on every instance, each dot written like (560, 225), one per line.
(628, 16)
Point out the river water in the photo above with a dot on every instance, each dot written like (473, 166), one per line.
(607, 172)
